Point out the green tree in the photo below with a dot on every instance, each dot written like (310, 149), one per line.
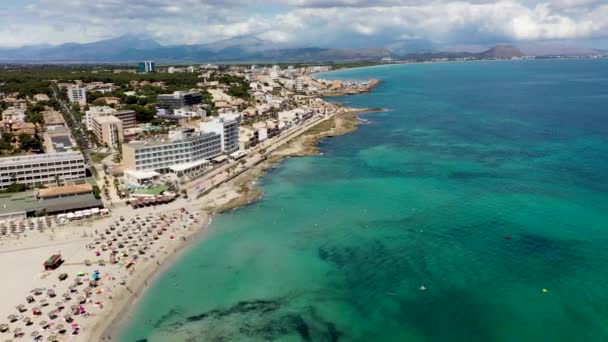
(29, 142)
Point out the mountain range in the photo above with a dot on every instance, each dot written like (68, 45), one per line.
(131, 48)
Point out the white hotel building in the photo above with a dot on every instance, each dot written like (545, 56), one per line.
(227, 126)
(41, 168)
(184, 151)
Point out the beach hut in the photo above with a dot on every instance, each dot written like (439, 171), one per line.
(53, 262)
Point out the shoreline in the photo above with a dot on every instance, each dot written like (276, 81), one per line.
(116, 317)
(248, 192)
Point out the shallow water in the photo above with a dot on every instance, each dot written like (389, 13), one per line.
(426, 194)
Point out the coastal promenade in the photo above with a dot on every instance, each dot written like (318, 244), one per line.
(257, 155)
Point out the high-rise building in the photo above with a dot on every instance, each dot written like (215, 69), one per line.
(179, 99)
(46, 168)
(146, 67)
(77, 95)
(299, 84)
(128, 117)
(227, 126)
(108, 130)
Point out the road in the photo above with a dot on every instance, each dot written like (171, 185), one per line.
(81, 137)
(219, 176)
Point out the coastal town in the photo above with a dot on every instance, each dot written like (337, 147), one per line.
(106, 176)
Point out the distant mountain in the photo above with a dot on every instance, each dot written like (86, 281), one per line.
(133, 48)
(497, 52)
(243, 43)
(502, 52)
(408, 46)
(555, 49)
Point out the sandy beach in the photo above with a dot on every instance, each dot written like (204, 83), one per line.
(100, 293)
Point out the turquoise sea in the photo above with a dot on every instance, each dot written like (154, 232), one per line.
(484, 182)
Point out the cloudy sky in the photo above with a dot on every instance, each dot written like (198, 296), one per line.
(343, 23)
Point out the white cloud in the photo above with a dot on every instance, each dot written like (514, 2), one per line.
(305, 22)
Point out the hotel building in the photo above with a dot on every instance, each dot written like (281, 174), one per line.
(41, 168)
(184, 151)
(227, 126)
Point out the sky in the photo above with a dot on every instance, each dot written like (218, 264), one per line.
(322, 23)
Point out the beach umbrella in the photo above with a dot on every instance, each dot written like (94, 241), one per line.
(21, 308)
(36, 311)
(27, 320)
(35, 334)
(4, 327)
(44, 323)
(44, 302)
(52, 338)
(12, 318)
(59, 304)
(17, 331)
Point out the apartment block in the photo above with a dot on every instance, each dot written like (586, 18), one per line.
(77, 95)
(128, 117)
(108, 130)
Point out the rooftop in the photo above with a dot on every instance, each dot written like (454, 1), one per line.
(26, 202)
(52, 117)
(37, 158)
(65, 190)
(107, 119)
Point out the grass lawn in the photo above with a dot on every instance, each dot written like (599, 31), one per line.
(98, 157)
